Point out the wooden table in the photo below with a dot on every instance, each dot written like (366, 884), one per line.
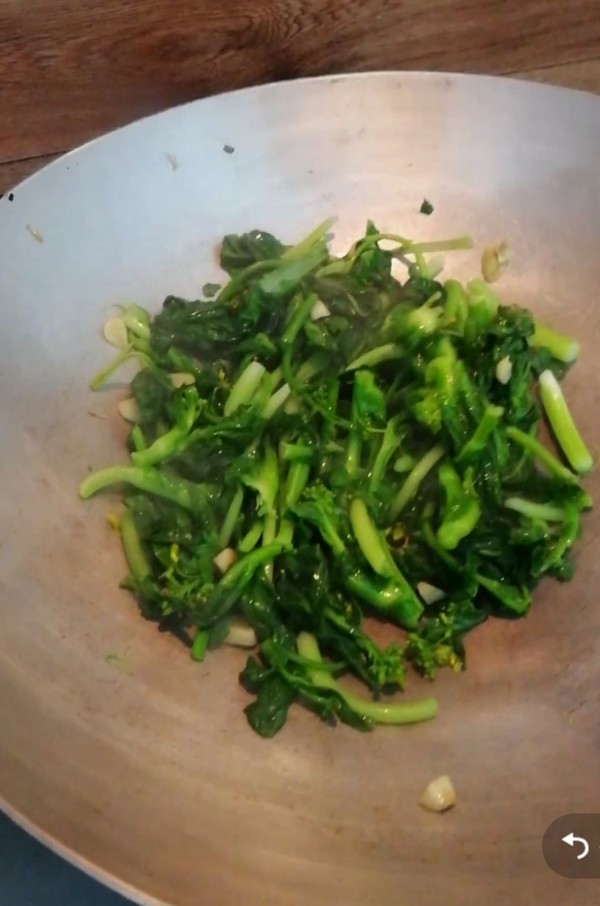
(72, 69)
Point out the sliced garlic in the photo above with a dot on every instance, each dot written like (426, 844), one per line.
(115, 333)
(493, 261)
(241, 635)
(182, 379)
(129, 410)
(225, 559)
(429, 593)
(504, 370)
(398, 270)
(440, 795)
(319, 310)
(35, 233)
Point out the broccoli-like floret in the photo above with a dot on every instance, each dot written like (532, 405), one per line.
(379, 667)
(318, 506)
(438, 641)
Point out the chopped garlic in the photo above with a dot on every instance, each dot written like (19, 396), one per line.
(115, 333)
(225, 559)
(440, 795)
(129, 410)
(504, 370)
(429, 593)
(319, 310)
(182, 379)
(240, 634)
(35, 233)
(493, 261)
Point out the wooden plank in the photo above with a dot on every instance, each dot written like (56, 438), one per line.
(72, 69)
(584, 75)
(14, 172)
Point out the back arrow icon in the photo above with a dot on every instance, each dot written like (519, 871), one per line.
(571, 839)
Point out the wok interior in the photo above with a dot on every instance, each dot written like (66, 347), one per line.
(114, 746)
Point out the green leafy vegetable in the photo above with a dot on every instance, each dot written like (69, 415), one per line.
(321, 448)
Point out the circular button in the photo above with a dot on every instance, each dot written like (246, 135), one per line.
(571, 845)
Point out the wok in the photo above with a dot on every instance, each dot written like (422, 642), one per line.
(115, 748)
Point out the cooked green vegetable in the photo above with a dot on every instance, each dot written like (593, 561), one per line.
(322, 443)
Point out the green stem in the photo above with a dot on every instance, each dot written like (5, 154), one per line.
(460, 243)
(389, 444)
(237, 283)
(269, 535)
(456, 306)
(244, 388)
(252, 537)
(478, 440)
(133, 548)
(414, 480)
(184, 493)
(515, 599)
(533, 510)
(560, 347)
(137, 439)
(231, 518)
(286, 532)
(564, 542)
(137, 321)
(275, 401)
(296, 452)
(379, 712)
(169, 444)
(299, 316)
(374, 356)
(537, 450)
(369, 538)
(304, 373)
(353, 453)
(563, 426)
(431, 540)
(200, 644)
(305, 245)
(103, 375)
(296, 481)
(287, 275)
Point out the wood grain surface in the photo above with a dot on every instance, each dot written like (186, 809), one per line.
(72, 69)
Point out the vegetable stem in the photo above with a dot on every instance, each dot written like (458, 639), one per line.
(135, 555)
(538, 451)
(244, 388)
(561, 347)
(478, 440)
(252, 537)
(414, 481)
(561, 421)
(369, 539)
(184, 493)
(101, 377)
(375, 356)
(379, 712)
(532, 510)
(233, 513)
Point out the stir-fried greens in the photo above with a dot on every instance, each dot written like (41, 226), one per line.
(317, 443)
